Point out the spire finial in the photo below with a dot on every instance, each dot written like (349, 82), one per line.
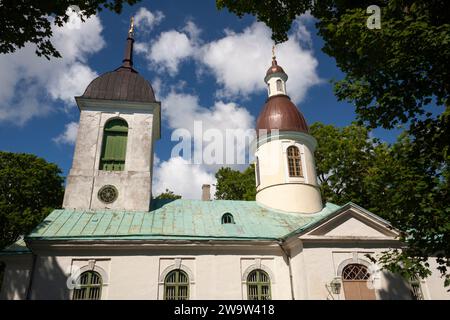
(128, 57)
(273, 52)
(131, 30)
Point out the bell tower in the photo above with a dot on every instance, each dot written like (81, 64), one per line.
(286, 177)
(119, 123)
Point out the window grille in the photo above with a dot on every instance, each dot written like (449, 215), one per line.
(355, 272)
(258, 285)
(90, 286)
(176, 286)
(294, 163)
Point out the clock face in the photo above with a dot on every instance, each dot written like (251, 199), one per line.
(108, 194)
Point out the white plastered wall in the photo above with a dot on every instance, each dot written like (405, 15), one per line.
(16, 276)
(277, 189)
(133, 184)
(139, 274)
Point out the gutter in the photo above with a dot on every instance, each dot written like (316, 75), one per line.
(288, 258)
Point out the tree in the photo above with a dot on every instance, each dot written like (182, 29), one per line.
(396, 184)
(27, 21)
(389, 180)
(416, 202)
(236, 185)
(343, 158)
(168, 195)
(30, 188)
(394, 76)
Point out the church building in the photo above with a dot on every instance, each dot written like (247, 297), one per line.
(111, 240)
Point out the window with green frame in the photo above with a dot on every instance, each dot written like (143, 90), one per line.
(258, 285)
(114, 145)
(176, 285)
(90, 286)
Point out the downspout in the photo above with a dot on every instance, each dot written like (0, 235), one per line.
(288, 258)
(30, 283)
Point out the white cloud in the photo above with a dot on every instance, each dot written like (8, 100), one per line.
(239, 61)
(171, 48)
(69, 136)
(31, 84)
(193, 31)
(180, 111)
(181, 177)
(145, 20)
(167, 52)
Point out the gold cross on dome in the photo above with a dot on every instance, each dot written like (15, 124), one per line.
(273, 52)
(130, 32)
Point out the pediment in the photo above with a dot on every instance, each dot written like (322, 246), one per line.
(352, 222)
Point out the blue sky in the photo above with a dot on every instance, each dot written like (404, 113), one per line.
(203, 64)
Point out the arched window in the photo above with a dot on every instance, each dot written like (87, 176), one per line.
(227, 218)
(90, 286)
(114, 145)
(268, 88)
(176, 286)
(355, 279)
(258, 285)
(294, 163)
(279, 85)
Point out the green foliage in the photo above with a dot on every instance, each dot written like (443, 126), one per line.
(30, 188)
(25, 21)
(416, 201)
(394, 75)
(343, 157)
(278, 15)
(168, 195)
(236, 185)
(395, 182)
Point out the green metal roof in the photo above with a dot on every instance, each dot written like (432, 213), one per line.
(179, 219)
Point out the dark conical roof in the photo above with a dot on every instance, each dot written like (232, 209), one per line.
(124, 83)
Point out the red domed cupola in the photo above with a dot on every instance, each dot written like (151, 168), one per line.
(279, 113)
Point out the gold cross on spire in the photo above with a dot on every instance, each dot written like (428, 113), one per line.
(273, 52)
(131, 31)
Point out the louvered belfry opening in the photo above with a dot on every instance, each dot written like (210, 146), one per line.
(90, 286)
(114, 145)
(176, 286)
(258, 285)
